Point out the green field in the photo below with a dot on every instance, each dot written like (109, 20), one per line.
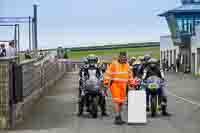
(155, 51)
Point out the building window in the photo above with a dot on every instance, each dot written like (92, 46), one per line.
(190, 1)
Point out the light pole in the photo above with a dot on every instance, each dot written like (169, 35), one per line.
(35, 44)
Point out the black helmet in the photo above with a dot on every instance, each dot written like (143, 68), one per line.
(147, 57)
(153, 62)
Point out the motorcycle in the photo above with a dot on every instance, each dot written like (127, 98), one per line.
(154, 89)
(139, 84)
(90, 92)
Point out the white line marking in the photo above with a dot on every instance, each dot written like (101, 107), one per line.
(72, 72)
(184, 99)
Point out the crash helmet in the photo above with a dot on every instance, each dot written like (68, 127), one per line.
(147, 57)
(92, 59)
(99, 61)
(153, 62)
(85, 60)
(132, 60)
(140, 58)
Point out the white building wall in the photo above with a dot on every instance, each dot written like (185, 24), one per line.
(195, 44)
(167, 45)
(195, 40)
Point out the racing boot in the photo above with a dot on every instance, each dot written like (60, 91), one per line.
(147, 106)
(104, 114)
(164, 107)
(88, 109)
(103, 109)
(80, 108)
(118, 120)
(147, 101)
(147, 109)
(159, 104)
(102, 103)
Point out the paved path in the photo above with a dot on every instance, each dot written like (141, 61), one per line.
(55, 113)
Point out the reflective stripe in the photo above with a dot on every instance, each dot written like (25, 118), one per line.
(108, 73)
(119, 72)
(107, 78)
(117, 66)
(119, 79)
(119, 99)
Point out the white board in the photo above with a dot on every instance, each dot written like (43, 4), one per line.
(137, 107)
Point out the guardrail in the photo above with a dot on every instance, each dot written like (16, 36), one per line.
(22, 84)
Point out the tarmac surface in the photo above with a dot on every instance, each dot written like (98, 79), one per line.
(56, 111)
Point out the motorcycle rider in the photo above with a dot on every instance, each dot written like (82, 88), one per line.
(132, 60)
(91, 62)
(138, 67)
(147, 57)
(102, 99)
(81, 74)
(152, 68)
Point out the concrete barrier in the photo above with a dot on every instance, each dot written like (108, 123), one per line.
(47, 73)
(23, 84)
(6, 92)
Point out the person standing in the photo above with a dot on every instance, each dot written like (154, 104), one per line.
(2, 50)
(27, 54)
(117, 76)
(11, 50)
(178, 62)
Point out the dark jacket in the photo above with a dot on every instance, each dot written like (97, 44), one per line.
(153, 70)
(3, 52)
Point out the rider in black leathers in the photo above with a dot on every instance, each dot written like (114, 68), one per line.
(82, 74)
(152, 68)
(91, 63)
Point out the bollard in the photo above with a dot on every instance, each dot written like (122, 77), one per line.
(76, 67)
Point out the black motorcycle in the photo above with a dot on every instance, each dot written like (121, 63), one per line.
(89, 95)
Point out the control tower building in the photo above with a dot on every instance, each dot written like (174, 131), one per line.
(184, 41)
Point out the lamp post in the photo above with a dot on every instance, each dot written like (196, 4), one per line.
(35, 44)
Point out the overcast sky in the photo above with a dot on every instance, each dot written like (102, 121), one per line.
(83, 22)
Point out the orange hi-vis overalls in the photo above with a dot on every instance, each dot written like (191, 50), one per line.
(117, 77)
